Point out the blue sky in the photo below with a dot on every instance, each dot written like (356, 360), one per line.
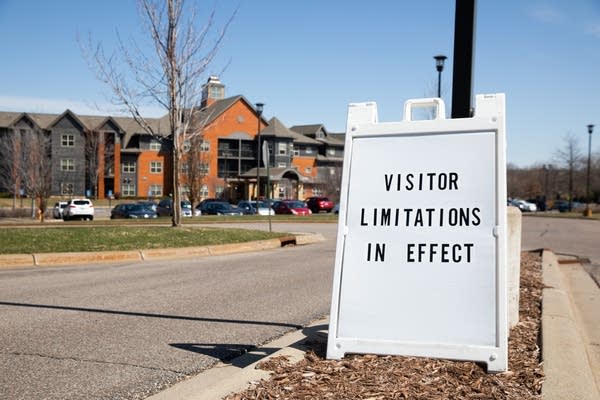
(306, 60)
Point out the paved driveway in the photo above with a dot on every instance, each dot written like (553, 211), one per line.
(123, 331)
(580, 237)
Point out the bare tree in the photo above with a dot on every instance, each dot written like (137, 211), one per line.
(570, 158)
(195, 168)
(169, 77)
(26, 157)
(330, 182)
(9, 167)
(94, 146)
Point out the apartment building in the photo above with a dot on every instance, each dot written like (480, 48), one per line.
(102, 156)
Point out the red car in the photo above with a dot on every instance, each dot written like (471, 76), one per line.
(295, 207)
(319, 203)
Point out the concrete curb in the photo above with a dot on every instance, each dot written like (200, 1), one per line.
(234, 377)
(57, 259)
(567, 367)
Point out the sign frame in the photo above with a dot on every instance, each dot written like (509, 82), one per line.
(344, 337)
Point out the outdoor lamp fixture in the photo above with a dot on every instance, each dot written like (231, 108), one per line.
(588, 212)
(439, 66)
(259, 111)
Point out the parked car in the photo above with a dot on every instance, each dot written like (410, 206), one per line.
(57, 211)
(218, 208)
(319, 203)
(295, 207)
(563, 205)
(523, 205)
(202, 204)
(252, 207)
(148, 204)
(132, 210)
(78, 209)
(165, 208)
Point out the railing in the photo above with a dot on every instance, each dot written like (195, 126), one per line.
(235, 154)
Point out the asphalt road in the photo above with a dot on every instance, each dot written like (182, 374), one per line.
(579, 237)
(124, 331)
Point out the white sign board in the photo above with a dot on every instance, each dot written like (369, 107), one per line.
(420, 257)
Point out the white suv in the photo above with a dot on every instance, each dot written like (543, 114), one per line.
(78, 208)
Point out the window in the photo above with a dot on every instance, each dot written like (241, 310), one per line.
(129, 166)
(205, 145)
(155, 167)
(331, 152)
(67, 164)
(204, 191)
(219, 191)
(281, 165)
(282, 149)
(295, 151)
(216, 92)
(203, 168)
(155, 144)
(309, 150)
(66, 188)
(67, 140)
(187, 145)
(155, 191)
(128, 189)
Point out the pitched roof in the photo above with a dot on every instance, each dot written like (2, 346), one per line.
(309, 130)
(8, 118)
(278, 129)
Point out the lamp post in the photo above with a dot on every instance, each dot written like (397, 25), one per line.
(588, 211)
(259, 111)
(439, 66)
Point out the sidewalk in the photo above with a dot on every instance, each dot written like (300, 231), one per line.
(570, 330)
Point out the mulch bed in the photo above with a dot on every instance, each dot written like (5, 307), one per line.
(371, 377)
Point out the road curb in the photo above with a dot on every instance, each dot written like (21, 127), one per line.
(567, 368)
(58, 259)
(17, 260)
(226, 378)
(49, 259)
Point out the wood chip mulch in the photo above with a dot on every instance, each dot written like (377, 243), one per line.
(371, 377)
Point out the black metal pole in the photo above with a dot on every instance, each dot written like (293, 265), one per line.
(439, 84)
(587, 193)
(464, 43)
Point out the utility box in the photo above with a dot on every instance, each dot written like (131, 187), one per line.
(420, 266)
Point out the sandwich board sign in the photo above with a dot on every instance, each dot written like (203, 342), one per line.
(420, 267)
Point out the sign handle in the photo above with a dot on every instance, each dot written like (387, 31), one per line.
(435, 102)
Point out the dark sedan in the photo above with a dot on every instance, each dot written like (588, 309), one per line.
(218, 208)
(127, 210)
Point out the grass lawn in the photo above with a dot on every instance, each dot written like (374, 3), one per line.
(102, 238)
